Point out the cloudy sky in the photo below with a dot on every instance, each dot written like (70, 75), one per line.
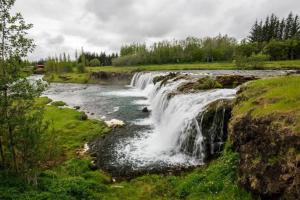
(104, 25)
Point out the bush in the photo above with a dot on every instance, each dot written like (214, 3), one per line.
(255, 61)
(94, 62)
(83, 116)
(80, 68)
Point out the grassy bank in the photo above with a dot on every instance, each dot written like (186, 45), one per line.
(280, 95)
(265, 130)
(85, 77)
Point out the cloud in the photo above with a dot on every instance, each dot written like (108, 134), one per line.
(105, 25)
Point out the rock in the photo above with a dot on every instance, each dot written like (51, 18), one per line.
(83, 116)
(93, 166)
(214, 130)
(145, 110)
(58, 103)
(231, 81)
(92, 113)
(77, 107)
(114, 123)
(108, 77)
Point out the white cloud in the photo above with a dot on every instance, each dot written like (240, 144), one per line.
(104, 25)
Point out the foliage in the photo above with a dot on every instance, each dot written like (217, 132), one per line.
(59, 66)
(21, 121)
(255, 61)
(274, 28)
(103, 58)
(283, 49)
(80, 68)
(220, 48)
(94, 62)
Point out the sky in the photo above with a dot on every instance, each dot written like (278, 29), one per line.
(106, 25)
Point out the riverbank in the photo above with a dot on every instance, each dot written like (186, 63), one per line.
(87, 76)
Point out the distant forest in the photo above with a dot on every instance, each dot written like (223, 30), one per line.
(269, 39)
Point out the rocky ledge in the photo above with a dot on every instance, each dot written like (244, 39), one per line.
(111, 77)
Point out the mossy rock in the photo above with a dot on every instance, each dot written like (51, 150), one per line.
(205, 83)
(58, 103)
(83, 116)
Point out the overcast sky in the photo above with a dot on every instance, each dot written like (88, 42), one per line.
(104, 25)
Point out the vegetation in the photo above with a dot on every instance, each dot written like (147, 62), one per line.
(220, 48)
(95, 59)
(265, 131)
(21, 127)
(271, 96)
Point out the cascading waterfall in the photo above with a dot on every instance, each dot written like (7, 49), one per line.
(177, 135)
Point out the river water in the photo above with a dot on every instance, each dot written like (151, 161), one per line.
(148, 140)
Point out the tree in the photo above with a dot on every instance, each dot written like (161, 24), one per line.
(20, 122)
(95, 62)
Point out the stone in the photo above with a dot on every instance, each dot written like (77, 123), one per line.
(145, 110)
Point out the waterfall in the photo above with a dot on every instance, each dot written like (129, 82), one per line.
(177, 135)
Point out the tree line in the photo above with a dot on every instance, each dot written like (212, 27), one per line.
(192, 49)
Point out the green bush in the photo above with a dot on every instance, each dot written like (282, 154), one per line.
(255, 61)
(80, 68)
(94, 62)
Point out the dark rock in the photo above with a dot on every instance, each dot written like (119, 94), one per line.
(92, 113)
(111, 77)
(213, 123)
(164, 78)
(231, 81)
(145, 110)
(77, 107)
(93, 165)
(83, 116)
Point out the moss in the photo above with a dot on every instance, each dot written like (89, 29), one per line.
(165, 78)
(58, 103)
(205, 83)
(272, 96)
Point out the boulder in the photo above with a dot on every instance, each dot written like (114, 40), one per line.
(77, 107)
(145, 110)
(114, 123)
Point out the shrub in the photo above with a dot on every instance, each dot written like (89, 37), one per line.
(80, 68)
(94, 62)
(255, 61)
(83, 116)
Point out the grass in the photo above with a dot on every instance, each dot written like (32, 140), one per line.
(72, 178)
(272, 96)
(85, 77)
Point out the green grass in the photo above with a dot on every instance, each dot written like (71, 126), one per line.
(67, 78)
(72, 178)
(272, 96)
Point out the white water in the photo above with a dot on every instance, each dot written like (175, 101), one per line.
(171, 120)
